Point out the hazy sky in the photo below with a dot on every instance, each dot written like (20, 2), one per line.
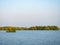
(29, 12)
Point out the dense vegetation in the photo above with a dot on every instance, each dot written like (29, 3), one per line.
(13, 29)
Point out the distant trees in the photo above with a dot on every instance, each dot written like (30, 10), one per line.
(10, 28)
(44, 28)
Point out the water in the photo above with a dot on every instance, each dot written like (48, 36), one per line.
(30, 38)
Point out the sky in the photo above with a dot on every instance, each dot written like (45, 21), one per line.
(29, 12)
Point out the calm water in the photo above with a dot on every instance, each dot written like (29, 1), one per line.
(30, 38)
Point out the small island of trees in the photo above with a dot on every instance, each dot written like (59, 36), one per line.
(13, 29)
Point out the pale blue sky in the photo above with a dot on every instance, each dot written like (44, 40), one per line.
(29, 12)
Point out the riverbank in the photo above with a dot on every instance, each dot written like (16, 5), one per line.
(13, 28)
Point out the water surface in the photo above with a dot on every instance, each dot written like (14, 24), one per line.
(30, 38)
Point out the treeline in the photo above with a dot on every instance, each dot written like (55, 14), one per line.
(30, 28)
(44, 28)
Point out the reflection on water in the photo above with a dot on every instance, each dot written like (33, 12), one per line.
(30, 38)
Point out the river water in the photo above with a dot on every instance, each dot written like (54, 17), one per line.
(30, 37)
